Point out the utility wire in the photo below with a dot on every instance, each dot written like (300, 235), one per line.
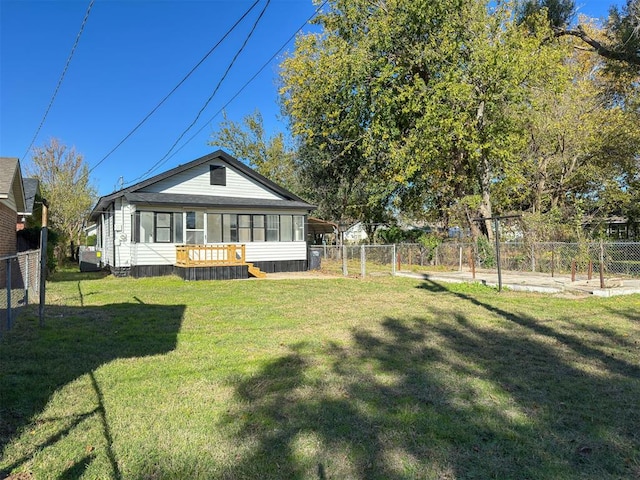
(195, 120)
(177, 86)
(264, 65)
(246, 84)
(64, 71)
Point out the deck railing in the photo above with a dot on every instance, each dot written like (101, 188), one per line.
(209, 255)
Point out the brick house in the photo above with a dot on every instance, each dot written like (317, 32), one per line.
(12, 201)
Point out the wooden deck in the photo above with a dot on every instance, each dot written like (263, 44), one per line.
(189, 256)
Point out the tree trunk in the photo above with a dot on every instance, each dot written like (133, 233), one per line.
(486, 210)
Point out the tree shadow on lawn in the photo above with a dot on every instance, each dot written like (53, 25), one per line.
(36, 362)
(441, 396)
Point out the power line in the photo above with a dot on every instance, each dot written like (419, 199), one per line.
(195, 120)
(246, 84)
(64, 71)
(177, 86)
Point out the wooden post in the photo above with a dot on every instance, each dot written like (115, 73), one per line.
(398, 261)
(573, 270)
(590, 271)
(553, 261)
(362, 262)
(472, 263)
(43, 262)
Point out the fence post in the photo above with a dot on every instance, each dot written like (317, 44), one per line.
(345, 271)
(459, 258)
(362, 262)
(601, 264)
(533, 259)
(8, 294)
(393, 260)
(27, 278)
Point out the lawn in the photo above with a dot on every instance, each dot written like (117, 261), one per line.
(389, 378)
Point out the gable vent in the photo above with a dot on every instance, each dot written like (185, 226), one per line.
(218, 175)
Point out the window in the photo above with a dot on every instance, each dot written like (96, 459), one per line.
(217, 175)
(273, 228)
(178, 227)
(214, 228)
(146, 227)
(158, 227)
(195, 228)
(229, 228)
(244, 228)
(286, 228)
(298, 228)
(163, 227)
(258, 228)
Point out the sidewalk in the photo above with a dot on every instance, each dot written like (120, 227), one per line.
(537, 282)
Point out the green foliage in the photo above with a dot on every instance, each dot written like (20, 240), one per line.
(31, 236)
(486, 252)
(248, 141)
(65, 185)
(411, 104)
(91, 241)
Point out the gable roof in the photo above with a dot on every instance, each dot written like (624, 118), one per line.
(31, 190)
(11, 182)
(134, 194)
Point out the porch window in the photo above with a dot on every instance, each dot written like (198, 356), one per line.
(298, 228)
(244, 228)
(163, 227)
(195, 228)
(273, 228)
(214, 228)
(157, 227)
(146, 227)
(229, 227)
(258, 228)
(286, 228)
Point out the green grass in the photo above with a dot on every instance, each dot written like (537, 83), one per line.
(388, 378)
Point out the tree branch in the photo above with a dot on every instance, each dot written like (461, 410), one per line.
(599, 48)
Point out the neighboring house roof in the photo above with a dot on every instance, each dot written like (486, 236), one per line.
(134, 194)
(11, 182)
(31, 190)
(319, 227)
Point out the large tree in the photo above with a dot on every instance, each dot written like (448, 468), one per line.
(414, 101)
(65, 184)
(583, 145)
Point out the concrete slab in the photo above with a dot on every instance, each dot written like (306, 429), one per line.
(535, 282)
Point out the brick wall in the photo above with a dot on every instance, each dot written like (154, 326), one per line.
(8, 241)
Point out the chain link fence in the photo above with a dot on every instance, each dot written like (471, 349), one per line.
(616, 258)
(19, 285)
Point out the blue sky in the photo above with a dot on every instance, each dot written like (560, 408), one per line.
(130, 55)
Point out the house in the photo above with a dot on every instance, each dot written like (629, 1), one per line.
(210, 218)
(31, 192)
(356, 233)
(12, 201)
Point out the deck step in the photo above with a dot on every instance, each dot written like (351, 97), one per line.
(255, 271)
